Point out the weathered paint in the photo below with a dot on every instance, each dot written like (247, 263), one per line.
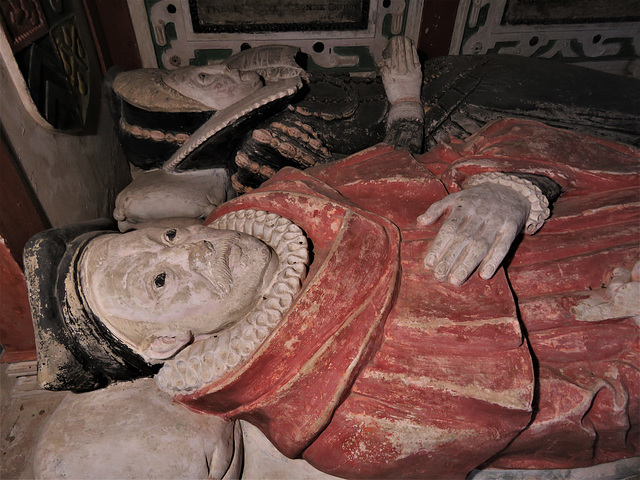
(379, 370)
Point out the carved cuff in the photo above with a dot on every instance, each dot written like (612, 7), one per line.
(539, 211)
(406, 109)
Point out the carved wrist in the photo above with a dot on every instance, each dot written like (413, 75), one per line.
(406, 109)
(539, 203)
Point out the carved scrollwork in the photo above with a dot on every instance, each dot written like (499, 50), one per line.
(74, 61)
(336, 35)
(606, 39)
(24, 22)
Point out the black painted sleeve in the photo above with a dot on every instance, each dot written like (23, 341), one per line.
(549, 187)
(406, 133)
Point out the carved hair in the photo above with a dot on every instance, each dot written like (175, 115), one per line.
(210, 359)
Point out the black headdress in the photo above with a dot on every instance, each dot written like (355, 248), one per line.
(75, 350)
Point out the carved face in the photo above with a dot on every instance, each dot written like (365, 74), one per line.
(215, 86)
(161, 281)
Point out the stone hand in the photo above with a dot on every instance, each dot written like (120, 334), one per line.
(400, 70)
(620, 299)
(284, 142)
(482, 224)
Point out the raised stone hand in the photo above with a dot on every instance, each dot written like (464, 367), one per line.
(402, 78)
(482, 224)
(620, 299)
(282, 143)
(400, 70)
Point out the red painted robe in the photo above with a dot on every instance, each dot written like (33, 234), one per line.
(378, 370)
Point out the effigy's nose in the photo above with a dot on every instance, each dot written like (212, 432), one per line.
(119, 215)
(199, 251)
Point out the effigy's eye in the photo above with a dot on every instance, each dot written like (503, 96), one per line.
(170, 235)
(159, 280)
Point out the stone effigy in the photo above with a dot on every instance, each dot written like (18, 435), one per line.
(239, 100)
(403, 375)
(324, 118)
(378, 369)
(156, 111)
(326, 309)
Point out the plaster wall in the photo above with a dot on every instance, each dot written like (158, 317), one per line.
(76, 177)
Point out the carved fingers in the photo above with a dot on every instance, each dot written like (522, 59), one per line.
(621, 298)
(400, 70)
(507, 233)
(282, 143)
(400, 56)
(621, 276)
(480, 228)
